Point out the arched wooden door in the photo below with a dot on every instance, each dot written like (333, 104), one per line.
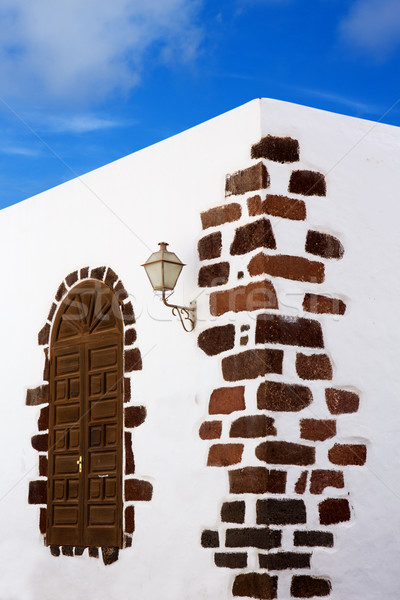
(85, 426)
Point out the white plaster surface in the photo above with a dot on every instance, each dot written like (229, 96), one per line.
(115, 216)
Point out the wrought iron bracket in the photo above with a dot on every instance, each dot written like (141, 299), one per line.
(185, 313)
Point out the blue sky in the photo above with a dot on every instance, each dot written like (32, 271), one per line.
(84, 82)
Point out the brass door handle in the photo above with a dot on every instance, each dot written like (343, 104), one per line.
(79, 462)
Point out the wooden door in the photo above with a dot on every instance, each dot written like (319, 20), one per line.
(85, 430)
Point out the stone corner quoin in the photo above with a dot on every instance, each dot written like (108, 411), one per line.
(252, 337)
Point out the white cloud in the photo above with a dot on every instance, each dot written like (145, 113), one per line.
(20, 151)
(373, 26)
(80, 123)
(76, 49)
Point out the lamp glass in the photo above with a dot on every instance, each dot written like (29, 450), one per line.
(163, 269)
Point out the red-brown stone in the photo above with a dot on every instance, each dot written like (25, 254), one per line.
(136, 489)
(129, 519)
(317, 430)
(43, 335)
(37, 492)
(348, 454)
(305, 586)
(313, 366)
(129, 458)
(43, 465)
(227, 400)
(277, 206)
(43, 520)
(220, 215)
(224, 455)
(289, 267)
(252, 426)
(248, 180)
(38, 395)
(254, 296)
(301, 483)
(257, 480)
(315, 303)
(255, 585)
(321, 479)
(277, 396)
(210, 430)
(135, 416)
(40, 442)
(251, 364)
(214, 275)
(341, 401)
(43, 420)
(210, 246)
(133, 360)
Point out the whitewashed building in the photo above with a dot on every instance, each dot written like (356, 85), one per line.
(255, 456)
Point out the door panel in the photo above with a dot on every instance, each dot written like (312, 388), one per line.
(85, 429)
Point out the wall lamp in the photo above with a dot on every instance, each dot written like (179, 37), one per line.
(163, 269)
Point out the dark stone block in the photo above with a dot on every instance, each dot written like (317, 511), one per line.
(43, 335)
(67, 550)
(130, 337)
(251, 364)
(305, 586)
(256, 480)
(62, 290)
(284, 560)
(293, 331)
(334, 510)
(277, 206)
(323, 244)
(313, 366)
(248, 180)
(301, 483)
(348, 454)
(317, 430)
(120, 292)
(127, 541)
(295, 268)
(307, 183)
(320, 479)
(111, 278)
(220, 215)
(258, 537)
(276, 396)
(43, 420)
(252, 427)
(43, 520)
(40, 442)
(257, 234)
(255, 585)
(79, 550)
(71, 278)
(55, 550)
(43, 466)
(210, 539)
(127, 389)
(52, 310)
(281, 512)
(214, 275)
(98, 273)
(341, 402)
(244, 340)
(129, 460)
(224, 455)
(110, 555)
(231, 560)
(93, 552)
(128, 314)
(323, 305)
(38, 395)
(217, 339)
(37, 492)
(138, 490)
(313, 538)
(135, 416)
(285, 453)
(278, 149)
(84, 274)
(133, 360)
(210, 246)
(233, 512)
(129, 519)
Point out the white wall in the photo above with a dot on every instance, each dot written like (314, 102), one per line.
(158, 194)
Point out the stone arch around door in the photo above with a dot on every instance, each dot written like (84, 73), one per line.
(89, 343)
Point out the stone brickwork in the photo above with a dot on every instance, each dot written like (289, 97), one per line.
(286, 485)
(134, 490)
